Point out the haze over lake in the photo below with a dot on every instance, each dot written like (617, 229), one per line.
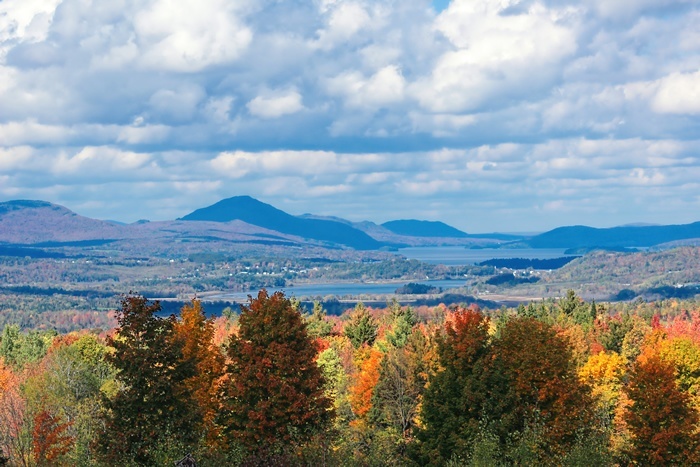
(457, 255)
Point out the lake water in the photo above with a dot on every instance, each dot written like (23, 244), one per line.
(452, 256)
(341, 289)
(460, 256)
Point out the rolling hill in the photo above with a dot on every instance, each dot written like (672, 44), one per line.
(28, 221)
(580, 236)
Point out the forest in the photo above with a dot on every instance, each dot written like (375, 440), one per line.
(561, 382)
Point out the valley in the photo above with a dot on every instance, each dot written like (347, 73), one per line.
(62, 270)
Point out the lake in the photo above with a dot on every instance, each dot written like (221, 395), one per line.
(340, 289)
(460, 256)
(448, 255)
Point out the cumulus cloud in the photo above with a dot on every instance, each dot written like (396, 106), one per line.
(189, 35)
(276, 104)
(482, 111)
(678, 93)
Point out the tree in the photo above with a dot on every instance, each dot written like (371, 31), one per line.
(453, 401)
(275, 392)
(365, 381)
(149, 409)
(402, 327)
(50, 440)
(316, 324)
(196, 334)
(534, 388)
(362, 328)
(398, 391)
(15, 439)
(66, 385)
(661, 421)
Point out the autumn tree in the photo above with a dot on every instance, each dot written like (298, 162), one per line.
(149, 409)
(50, 438)
(453, 401)
(15, 441)
(365, 381)
(662, 422)
(533, 385)
(196, 335)
(275, 392)
(67, 384)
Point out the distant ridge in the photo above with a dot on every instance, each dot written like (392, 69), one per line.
(256, 212)
(580, 236)
(416, 228)
(31, 221)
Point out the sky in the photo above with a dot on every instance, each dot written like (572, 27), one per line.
(490, 115)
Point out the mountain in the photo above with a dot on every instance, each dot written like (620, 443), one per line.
(29, 221)
(415, 228)
(255, 212)
(580, 236)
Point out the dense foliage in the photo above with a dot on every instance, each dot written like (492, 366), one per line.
(559, 382)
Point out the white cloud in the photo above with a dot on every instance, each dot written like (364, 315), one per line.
(26, 20)
(190, 35)
(276, 105)
(385, 87)
(678, 93)
(344, 20)
(98, 161)
(502, 105)
(496, 55)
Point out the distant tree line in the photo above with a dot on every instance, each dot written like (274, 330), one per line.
(529, 263)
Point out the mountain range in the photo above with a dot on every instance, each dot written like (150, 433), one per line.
(242, 220)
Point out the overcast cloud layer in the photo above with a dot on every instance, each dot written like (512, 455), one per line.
(488, 114)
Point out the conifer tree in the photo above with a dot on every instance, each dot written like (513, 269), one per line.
(452, 403)
(275, 393)
(149, 410)
(362, 328)
(316, 324)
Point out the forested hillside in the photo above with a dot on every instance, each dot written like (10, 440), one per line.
(560, 382)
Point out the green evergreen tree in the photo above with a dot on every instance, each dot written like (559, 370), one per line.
(453, 401)
(316, 323)
(362, 328)
(402, 326)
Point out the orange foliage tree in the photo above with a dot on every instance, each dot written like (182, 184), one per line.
(49, 438)
(12, 417)
(196, 333)
(660, 419)
(365, 381)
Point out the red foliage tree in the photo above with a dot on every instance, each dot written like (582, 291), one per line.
(532, 379)
(660, 419)
(49, 438)
(274, 394)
